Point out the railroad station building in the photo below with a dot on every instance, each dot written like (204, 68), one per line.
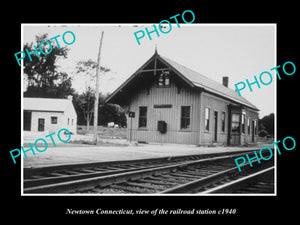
(170, 103)
(48, 115)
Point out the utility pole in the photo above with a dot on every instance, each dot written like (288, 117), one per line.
(97, 92)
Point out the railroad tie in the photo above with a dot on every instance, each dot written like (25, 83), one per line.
(155, 187)
(129, 189)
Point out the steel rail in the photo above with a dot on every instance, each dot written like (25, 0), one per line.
(69, 172)
(197, 185)
(241, 183)
(64, 178)
(121, 177)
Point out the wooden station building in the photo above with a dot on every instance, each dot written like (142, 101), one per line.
(170, 103)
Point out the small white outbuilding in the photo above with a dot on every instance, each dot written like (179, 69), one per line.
(48, 115)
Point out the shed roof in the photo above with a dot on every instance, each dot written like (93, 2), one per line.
(193, 79)
(46, 104)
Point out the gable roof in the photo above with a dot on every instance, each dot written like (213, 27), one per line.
(193, 79)
(46, 104)
(208, 84)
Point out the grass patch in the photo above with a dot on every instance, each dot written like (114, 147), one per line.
(104, 132)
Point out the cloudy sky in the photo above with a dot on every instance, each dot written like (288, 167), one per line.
(238, 51)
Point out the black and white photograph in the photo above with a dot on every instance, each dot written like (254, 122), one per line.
(131, 113)
(181, 110)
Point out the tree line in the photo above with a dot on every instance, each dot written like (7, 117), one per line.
(44, 79)
(266, 126)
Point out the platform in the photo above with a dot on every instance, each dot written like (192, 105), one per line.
(70, 153)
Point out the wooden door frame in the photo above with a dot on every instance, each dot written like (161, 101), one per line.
(216, 113)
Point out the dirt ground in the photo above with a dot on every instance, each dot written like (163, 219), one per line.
(73, 153)
(112, 146)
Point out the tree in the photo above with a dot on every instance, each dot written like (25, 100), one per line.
(267, 124)
(262, 132)
(84, 106)
(112, 113)
(42, 74)
(87, 70)
(85, 102)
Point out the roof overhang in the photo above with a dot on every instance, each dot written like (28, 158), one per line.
(141, 76)
(123, 93)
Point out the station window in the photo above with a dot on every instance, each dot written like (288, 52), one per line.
(185, 118)
(41, 124)
(164, 79)
(53, 119)
(223, 122)
(248, 125)
(207, 118)
(235, 123)
(255, 127)
(143, 116)
(243, 122)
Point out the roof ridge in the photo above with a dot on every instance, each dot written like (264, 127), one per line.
(223, 90)
(47, 98)
(45, 104)
(198, 73)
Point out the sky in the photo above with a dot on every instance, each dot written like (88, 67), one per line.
(239, 51)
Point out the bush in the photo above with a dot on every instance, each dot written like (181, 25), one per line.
(262, 133)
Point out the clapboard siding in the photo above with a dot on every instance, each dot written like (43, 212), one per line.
(164, 103)
(215, 104)
(247, 136)
(169, 96)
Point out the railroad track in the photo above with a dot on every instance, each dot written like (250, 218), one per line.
(166, 175)
(259, 182)
(61, 173)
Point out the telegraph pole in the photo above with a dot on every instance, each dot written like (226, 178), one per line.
(97, 92)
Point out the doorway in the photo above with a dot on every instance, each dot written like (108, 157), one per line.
(215, 126)
(41, 124)
(253, 130)
(27, 120)
(235, 134)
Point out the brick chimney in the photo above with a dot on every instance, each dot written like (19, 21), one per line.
(225, 81)
(70, 97)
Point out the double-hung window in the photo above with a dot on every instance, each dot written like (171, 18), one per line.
(185, 118)
(243, 123)
(248, 125)
(164, 79)
(143, 116)
(207, 118)
(235, 123)
(223, 122)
